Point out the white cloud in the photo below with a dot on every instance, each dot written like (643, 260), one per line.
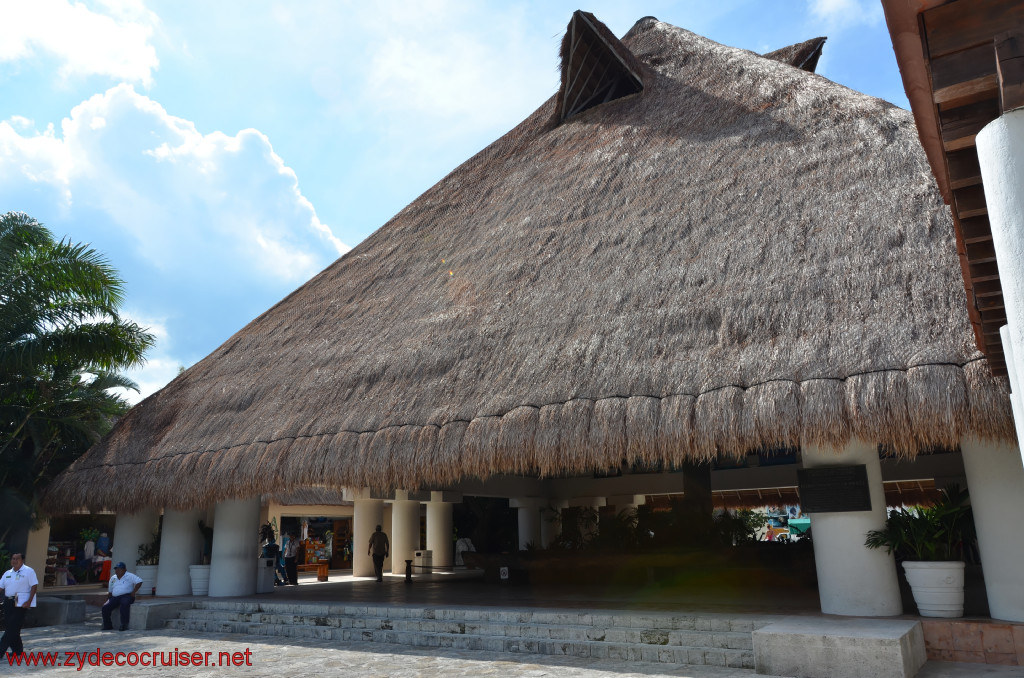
(30, 161)
(187, 199)
(161, 365)
(110, 38)
(424, 68)
(841, 14)
(207, 229)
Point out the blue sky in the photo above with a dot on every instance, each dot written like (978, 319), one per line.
(221, 153)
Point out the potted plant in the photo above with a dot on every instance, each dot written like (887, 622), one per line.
(146, 564)
(929, 541)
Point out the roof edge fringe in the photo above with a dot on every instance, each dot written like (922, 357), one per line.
(578, 436)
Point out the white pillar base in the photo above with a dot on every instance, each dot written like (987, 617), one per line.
(367, 514)
(440, 540)
(853, 579)
(181, 545)
(130, 532)
(235, 548)
(405, 531)
(995, 479)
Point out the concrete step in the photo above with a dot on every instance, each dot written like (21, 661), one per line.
(627, 651)
(607, 619)
(737, 640)
(705, 639)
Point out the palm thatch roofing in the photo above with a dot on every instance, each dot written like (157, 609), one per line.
(742, 254)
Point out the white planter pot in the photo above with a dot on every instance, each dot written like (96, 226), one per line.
(200, 576)
(938, 587)
(147, 573)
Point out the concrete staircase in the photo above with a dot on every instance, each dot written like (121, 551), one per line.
(676, 638)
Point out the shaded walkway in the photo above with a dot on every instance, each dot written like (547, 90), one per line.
(732, 591)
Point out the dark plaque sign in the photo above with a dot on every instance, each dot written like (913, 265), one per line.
(834, 489)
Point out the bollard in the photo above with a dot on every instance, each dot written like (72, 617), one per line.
(408, 571)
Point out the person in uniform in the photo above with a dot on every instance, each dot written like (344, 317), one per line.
(19, 586)
(121, 592)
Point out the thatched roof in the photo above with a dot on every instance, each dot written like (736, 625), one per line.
(743, 254)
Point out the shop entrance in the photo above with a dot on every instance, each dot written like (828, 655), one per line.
(321, 539)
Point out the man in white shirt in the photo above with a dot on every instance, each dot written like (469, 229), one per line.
(19, 589)
(122, 588)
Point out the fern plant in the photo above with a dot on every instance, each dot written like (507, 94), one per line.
(932, 533)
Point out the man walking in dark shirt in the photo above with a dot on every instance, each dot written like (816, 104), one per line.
(379, 549)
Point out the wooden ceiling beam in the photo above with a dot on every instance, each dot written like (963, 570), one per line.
(988, 289)
(969, 92)
(976, 228)
(957, 26)
(981, 252)
(989, 303)
(1009, 49)
(970, 202)
(969, 64)
(964, 168)
(963, 123)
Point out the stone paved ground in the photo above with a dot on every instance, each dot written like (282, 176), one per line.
(283, 657)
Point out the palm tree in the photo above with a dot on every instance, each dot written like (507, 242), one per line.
(62, 345)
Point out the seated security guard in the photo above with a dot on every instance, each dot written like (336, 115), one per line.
(121, 593)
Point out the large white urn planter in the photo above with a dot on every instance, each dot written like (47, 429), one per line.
(200, 576)
(147, 573)
(938, 587)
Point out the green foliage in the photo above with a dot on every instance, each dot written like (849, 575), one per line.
(267, 533)
(672, 529)
(62, 344)
(616, 533)
(739, 527)
(149, 554)
(933, 533)
(88, 534)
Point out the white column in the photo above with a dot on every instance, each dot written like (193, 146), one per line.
(551, 521)
(1001, 157)
(439, 529)
(131, 530)
(853, 579)
(1016, 405)
(35, 551)
(181, 545)
(995, 479)
(235, 548)
(529, 519)
(367, 514)
(405, 530)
